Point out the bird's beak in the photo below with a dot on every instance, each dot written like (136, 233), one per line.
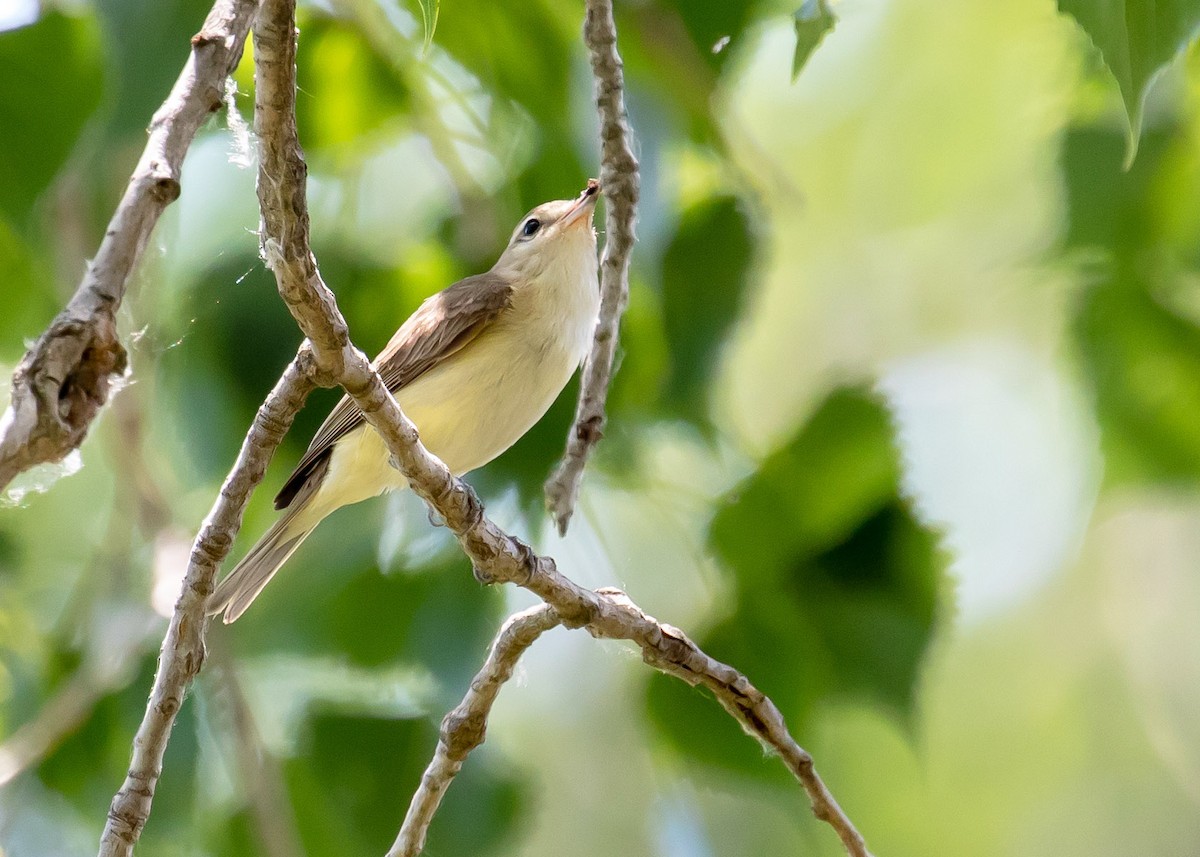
(581, 212)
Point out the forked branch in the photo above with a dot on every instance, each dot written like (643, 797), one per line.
(495, 555)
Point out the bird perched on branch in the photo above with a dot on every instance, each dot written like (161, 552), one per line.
(474, 368)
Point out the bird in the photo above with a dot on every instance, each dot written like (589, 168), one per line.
(474, 368)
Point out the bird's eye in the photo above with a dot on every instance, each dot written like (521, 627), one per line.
(531, 226)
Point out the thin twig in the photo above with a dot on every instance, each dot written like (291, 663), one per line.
(63, 381)
(183, 647)
(663, 647)
(619, 178)
(465, 728)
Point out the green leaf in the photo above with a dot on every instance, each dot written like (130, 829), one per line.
(1140, 344)
(811, 494)
(1143, 360)
(520, 51)
(705, 270)
(142, 70)
(50, 84)
(1136, 39)
(30, 302)
(347, 90)
(813, 21)
(350, 785)
(836, 584)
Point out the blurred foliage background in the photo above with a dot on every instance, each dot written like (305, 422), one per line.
(906, 427)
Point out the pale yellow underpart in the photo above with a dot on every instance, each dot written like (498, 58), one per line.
(480, 401)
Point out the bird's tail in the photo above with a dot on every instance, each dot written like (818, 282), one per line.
(237, 591)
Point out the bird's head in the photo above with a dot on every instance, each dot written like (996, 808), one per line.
(554, 234)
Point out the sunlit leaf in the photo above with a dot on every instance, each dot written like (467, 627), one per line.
(347, 90)
(1137, 39)
(813, 21)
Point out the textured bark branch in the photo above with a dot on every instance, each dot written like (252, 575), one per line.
(664, 647)
(330, 357)
(62, 382)
(619, 178)
(495, 555)
(183, 647)
(465, 728)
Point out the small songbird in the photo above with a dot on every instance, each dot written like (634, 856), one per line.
(474, 368)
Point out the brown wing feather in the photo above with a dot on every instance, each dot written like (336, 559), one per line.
(442, 325)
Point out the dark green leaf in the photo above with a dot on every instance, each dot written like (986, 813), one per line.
(811, 494)
(1136, 38)
(147, 43)
(1143, 360)
(50, 84)
(704, 274)
(813, 21)
(350, 786)
(836, 583)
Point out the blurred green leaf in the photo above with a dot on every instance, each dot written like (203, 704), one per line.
(1143, 360)
(830, 565)
(1141, 355)
(147, 43)
(28, 304)
(811, 494)
(813, 21)
(351, 785)
(91, 760)
(715, 26)
(44, 113)
(347, 91)
(1136, 38)
(705, 270)
(1109, 207)
(521, 51)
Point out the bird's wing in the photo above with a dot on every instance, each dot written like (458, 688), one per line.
(442, 325)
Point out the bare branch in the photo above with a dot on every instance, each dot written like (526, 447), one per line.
(63, 381)
(665, 648)
(183, 647)
(619, 178)
(495, 555)
(465, 728)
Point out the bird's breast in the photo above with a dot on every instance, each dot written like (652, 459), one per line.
(480, 401)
